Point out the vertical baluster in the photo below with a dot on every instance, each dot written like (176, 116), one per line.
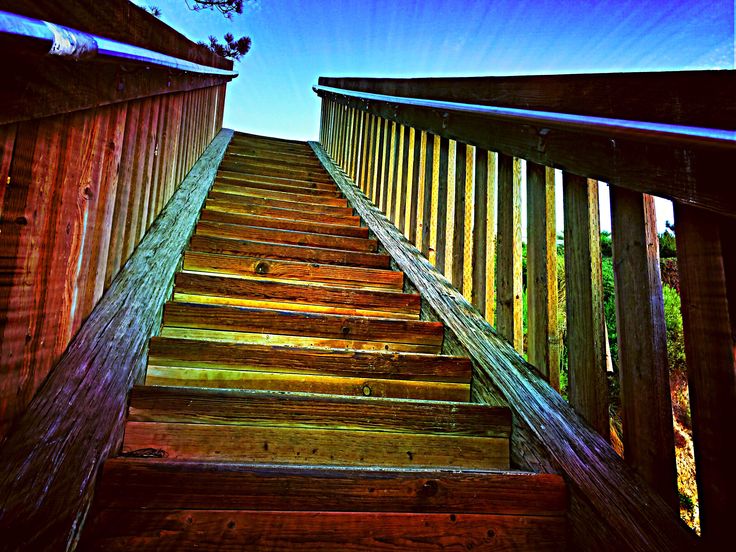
(377, 168)
(509, 299)
(329, 129)
(451, 229)
(648, 437)
(424, 192)
(438, 218)
(468, 222)
(357, 133)
(385, 139)
(541, 254)
(709, 350)
(390, 174)
(361, 162)
(412, 178)
(369, 154)
(586, 346)
(480, 230)
(400, 175)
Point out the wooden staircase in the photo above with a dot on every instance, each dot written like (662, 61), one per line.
(295, 399)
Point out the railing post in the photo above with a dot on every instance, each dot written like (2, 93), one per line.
(648, 435)
(543, 336)
(588, 389)
(509, 298)
(709, 349)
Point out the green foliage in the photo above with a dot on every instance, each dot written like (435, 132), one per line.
(667, 245)
(609, 306)
(234, 49)
(606, 244)
(675, 337)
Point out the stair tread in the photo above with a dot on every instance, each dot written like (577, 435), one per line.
(284, 322)
(289, 252)
(262, 221)
(241, 266)
(316, 361)
(128, 483)
(283, 235)
(238, 196)
(386, 303)
(305, 410)
(232, 204)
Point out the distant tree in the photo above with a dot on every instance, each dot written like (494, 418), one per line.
(232, 48)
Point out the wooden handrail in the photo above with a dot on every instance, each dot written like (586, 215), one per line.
(447, 179)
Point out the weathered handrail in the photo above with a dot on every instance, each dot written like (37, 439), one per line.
(432, 154)
(73, 44)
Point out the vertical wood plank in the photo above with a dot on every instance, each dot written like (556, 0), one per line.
(468, 222)
(424, 192)
(399, 197)
(387, 205)
(491, 236)
(648, 436)
(412, 192)
(588, 390)
(709, 350)
(377, 158)
(367, 177)
(128, 164)
(438, 218)
(509, 298)
(480, 230)
(450, 228)
(381, 188)
(543, 337)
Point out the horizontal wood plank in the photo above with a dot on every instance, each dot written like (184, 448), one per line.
(261, 221)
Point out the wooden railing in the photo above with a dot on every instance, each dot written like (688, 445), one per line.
(92, 152)
(434, 154)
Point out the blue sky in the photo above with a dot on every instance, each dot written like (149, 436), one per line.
(295, 42)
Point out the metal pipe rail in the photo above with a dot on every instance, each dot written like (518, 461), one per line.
(69, 43)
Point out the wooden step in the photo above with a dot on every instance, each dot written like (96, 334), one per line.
(226, 203)
(326, 362)
(245, 219)
(193, 363)
(288, 252)
(277, 235)
(299, 410)
(309, 188)
(290, 181)
(295, 296)
(250, 166)
(257, 426)
(241, 189)
(238, 197)
(386, 332)
(238, 153)
(259, 267)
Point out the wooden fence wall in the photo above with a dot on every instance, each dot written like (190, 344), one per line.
(83, 179)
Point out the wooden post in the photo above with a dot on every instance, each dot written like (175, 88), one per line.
(541, 255)
(588, 389)
(468, 221)
(480, 230)
(439, 202)
(424, 195)
(449, 236)
(408, 188)
(509, 300)
(709, 349)
(648, 436)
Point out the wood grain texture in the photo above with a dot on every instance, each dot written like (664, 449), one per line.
(509, 294)
(297, 445)
(279, 531)
(288, 252)
(261, 408)
(642, 337)
(336, 362)
(252, 320)
(258, 267)
(711, 365)
(543, 336)
(620, 510)
(49, 465)
(584, 293)
(299, 488)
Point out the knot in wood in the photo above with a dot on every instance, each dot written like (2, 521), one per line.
(367, 390)
(429, 488)
(262, 267)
